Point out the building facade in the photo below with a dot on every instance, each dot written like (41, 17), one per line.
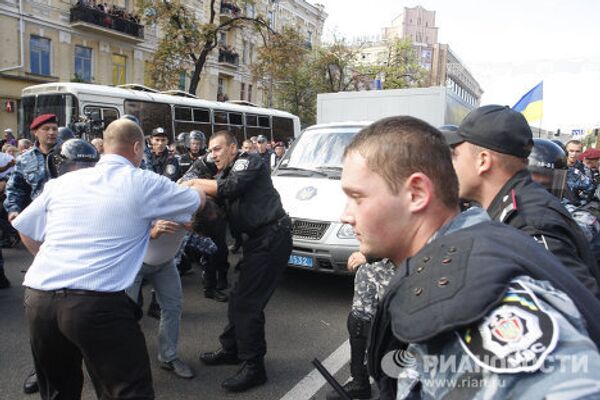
(90, 41)
(443, 65)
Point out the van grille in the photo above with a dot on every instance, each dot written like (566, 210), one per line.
(308, 229)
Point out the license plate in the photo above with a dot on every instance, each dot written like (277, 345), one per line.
(301, 261)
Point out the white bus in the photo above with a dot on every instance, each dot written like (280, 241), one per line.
(174, 111)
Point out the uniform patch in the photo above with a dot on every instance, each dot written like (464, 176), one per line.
(170, 169)
(240, 165)
(516, 336)
(541, 239)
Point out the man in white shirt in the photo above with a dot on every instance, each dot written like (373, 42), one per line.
(89, 230)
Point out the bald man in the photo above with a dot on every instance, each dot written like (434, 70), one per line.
(95, 225)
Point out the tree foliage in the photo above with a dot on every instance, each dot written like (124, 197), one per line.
(186, 41)
(400, 68)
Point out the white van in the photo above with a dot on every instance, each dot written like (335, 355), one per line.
(308, 181)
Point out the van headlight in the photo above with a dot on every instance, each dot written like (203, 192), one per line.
(346, 232)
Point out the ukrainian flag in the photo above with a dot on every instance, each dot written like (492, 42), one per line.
(531, 104)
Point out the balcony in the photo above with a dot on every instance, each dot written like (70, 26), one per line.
(229, 10)
(111, 24)
(229, 57)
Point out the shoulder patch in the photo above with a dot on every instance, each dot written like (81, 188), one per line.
(241, 165)
(516, 336)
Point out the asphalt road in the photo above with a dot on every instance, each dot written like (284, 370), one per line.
(306, 318)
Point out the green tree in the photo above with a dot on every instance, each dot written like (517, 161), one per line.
(335, 66)
(401, 67)
(283, 67)
(186, 41)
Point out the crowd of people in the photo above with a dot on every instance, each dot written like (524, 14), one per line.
(110, 9)
(477, 243)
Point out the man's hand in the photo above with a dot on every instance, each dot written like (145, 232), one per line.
(355, 260)
(12, 215)
(161, 227)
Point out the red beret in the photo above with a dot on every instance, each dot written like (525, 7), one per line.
(592, 154)
(43, 119)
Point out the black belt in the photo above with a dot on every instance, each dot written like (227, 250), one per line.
(261, 230)
(79, 292)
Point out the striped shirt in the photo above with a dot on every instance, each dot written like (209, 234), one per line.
(95, 224)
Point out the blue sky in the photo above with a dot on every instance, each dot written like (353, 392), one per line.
(509, 46)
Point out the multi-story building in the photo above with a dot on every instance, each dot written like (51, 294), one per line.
(91, 41)
(443, 65)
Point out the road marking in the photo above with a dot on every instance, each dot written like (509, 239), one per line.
(313, 382)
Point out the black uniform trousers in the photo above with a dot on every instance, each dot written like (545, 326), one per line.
(102, 329)
(265, 257)
(217, 263)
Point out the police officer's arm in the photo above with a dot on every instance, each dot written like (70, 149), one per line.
(17, 190)
(208, 186)
(558, 242)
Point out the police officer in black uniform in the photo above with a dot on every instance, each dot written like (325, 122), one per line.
(254, 211)
(490, 150)
(158, 158)
(195, 147)
(215, 271)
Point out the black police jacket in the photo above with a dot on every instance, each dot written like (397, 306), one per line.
(202, 168)
(186, 160)
(251, 201)
(164, 164)
(529, 207)
(476, 265)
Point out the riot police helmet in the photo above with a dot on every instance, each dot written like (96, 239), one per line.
(132, 118)
(181, 142)
(71, 155)
(65, 134)
(547, 164)
(198, 136)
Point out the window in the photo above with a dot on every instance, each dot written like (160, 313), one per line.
(242, 91)
(251, 120)
(235, 118)
(220, 117)
(119, 67)
(220, 86)
(249, 92)
(263, 122)
(183, 114)
(151, 115)
(250, 52)
(39, 54)
(106, 114)
(182, 80)
(147, 74)
(270, 19)
(83, 63)
(309, 35)
(201, 115)
(222, 38)
(244, 52)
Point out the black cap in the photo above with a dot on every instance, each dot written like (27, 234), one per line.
(498, 128)
(158, 132)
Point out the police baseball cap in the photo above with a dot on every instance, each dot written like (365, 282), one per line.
(497, 128)
(43, 119)
(158, 132)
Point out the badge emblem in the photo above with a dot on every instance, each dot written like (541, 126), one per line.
(170, 170)
(516, 336)
(306, 193)
(240, 165)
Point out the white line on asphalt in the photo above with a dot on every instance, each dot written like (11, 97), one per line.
(313, 382)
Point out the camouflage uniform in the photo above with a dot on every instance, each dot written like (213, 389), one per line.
(579, 180)
(570, 368)
(27, 180)
(370, 283)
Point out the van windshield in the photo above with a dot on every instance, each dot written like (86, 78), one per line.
(318, 149)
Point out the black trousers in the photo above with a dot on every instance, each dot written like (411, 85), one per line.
(101, 329)
(217, 263)
(265, 257)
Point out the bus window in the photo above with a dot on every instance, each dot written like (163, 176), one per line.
(220, 117)
(283, 129)
(201, 115)
(64, 106)
(183, 114)
(263, 121)
(27, 115)
(107, 114)
(235, 118)
(193, 126)
(251, 120)
(151, 115)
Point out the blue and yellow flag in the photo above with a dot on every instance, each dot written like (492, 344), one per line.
(531, 104)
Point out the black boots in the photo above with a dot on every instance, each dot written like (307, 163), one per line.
(220, 357)
(31, 384)
(4, 282)
(250, 375)
(216, 295)
(359, 386)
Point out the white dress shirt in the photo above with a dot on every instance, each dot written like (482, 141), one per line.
(95, 224)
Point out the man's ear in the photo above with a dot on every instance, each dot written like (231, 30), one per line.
(484, 162)
(419, 190)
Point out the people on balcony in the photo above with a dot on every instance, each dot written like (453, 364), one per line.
(110, 10)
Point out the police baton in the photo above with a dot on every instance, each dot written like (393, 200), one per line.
(331, 380)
